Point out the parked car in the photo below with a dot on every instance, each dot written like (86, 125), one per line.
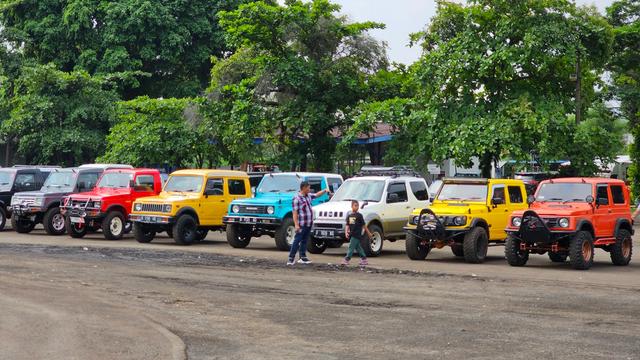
(191, 203)
(532, 179)
(571, 217)
(108, 205)
(19, 178)
(30, 208)
(387, 196)
(467, 215)
(270, 211)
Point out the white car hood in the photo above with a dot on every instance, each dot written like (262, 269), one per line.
(332, 210)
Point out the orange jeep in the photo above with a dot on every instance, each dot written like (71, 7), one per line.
(569, 218)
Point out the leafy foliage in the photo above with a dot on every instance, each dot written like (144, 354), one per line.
(58, 117)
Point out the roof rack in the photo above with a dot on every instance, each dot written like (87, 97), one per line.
(36, 166)
(393, 171)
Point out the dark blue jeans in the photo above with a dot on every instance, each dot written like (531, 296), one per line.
(300, 241)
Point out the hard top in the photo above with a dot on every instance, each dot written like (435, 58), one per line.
(465, 180)
(304, 174)
(385, 178)
(210, 172)
(45, 168)
(132, 170)
(104, 166)
(587, 180)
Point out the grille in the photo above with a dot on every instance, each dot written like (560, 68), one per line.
(76, 203)
(253, 209)
(24, 201)
(152, 207)
(331, 214)
(329, 226)
(551, 222)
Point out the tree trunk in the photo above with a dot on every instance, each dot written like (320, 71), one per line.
(486, 165)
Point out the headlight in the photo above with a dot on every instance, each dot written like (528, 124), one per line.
(270, 210)
(516, 221)
(167, 208)
(15, 200)
(414, 220)
(38, 201)
(97, 204)
(137, 207)
(460, 220)
(235, 209)
(563, 222)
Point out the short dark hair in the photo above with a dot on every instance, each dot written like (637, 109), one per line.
(304, 184)
(355, 202)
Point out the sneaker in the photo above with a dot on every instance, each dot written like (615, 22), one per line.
(364, 262)
(345, 261)
(290, 262)
(304, 260)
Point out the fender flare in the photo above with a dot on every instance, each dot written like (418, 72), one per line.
(188, 210)
(585, 225)
(623, 223)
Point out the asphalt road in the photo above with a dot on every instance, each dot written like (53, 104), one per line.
(63, 298)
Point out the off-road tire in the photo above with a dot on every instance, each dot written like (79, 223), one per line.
(475, 245)
(282, 232)
(622, 249)
(47, 221)
(128, 227)
(73, 231)
(238, 237)
(3, 218)
(316, 246)
(201, 234)
(513, 254)
(106, 225)
(581, 250)
(457, 249)
(22, 226)
(366, 241)
(185, 230)
(557, 257)
(415, 251)
(143, 233)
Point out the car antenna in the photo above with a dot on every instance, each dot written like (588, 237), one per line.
(297, 175)
(584, 182)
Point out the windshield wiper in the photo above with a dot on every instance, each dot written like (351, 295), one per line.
(290, 190)
(274, 190)
(372, 200)
(570, 200)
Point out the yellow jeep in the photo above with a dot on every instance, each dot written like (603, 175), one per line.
(467, 214)
(191, 203)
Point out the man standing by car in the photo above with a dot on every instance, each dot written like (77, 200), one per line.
(302, 219)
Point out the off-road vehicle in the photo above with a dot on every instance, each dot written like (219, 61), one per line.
(387, 196)
(108, 205)
(191, 203)
(17, 179)
(270, 211)
(571, 217)
(30, 208)
(467, 215)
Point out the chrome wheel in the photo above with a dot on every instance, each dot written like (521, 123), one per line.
(376, 242)
(116, 226)
(291, 234)
(57, 222)
(626, 248)
(586, 250)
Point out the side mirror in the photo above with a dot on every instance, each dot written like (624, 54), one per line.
(392, 198)
(132, 184)
(531, 199)
(589, 199)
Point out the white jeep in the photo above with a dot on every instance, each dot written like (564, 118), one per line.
(387, 197)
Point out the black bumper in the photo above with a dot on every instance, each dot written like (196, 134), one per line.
(25, 211)
(533, 230)
(265, 222)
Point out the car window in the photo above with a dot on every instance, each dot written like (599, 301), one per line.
(602, 194)
(399, 189)
(87, 180)
(216, 185)
(24, 181)
(236, 187)
(334, 184)
(515, 195)
(419, 190)
(498, 193)
(618, 194)
(315, 184)
(144, 182)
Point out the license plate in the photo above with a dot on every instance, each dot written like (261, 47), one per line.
(248, 220)
(76, 220)
(325, 233)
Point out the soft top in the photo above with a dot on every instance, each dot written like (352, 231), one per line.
(210, 172)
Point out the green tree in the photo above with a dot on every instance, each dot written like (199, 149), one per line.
(301, 70)
(155, 132)
(624, 16)
(58, 117)
(497, 79)
(155, 48)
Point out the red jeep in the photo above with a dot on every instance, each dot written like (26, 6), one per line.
(108, 205)
(569, 218)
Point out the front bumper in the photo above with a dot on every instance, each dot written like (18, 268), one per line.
(252, 220)
(152, 219)
(25, 210)
(534, 230)
(82, 216)
(328, 231)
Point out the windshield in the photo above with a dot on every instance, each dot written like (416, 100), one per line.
(65, 179)
(115, 180)
(369, 190)
(469, 192)
(434, 187)
(279, 183)
(6, 178)
(184, 184)
(564, 192)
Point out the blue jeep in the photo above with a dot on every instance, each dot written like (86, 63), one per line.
(270, 211)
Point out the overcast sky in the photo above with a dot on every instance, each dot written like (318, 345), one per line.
(403, 17)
